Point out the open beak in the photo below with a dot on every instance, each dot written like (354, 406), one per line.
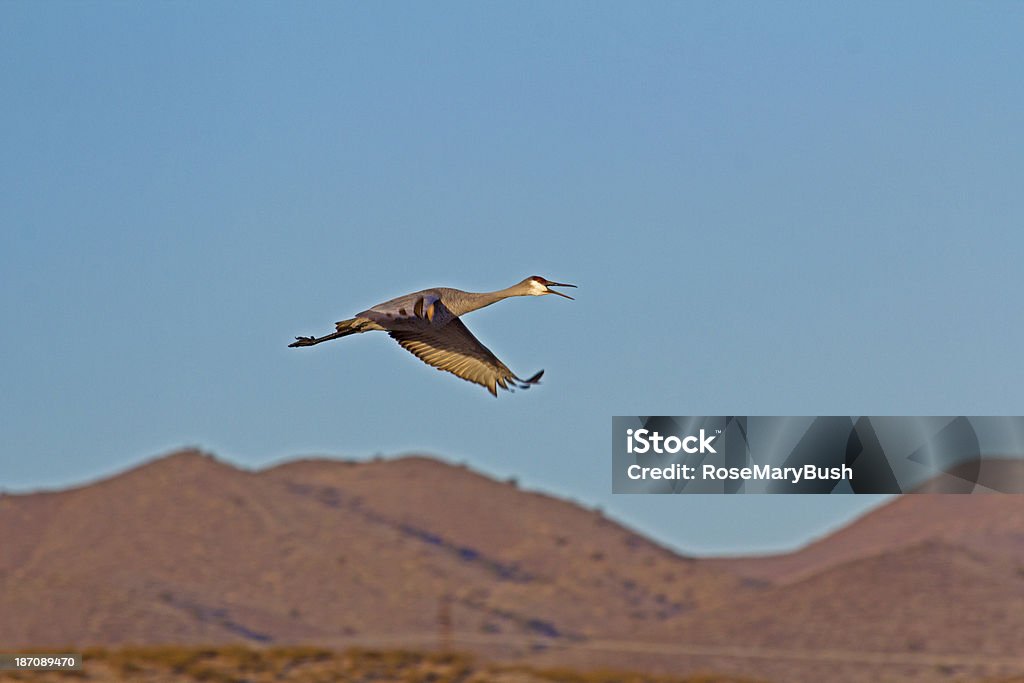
(549, 285)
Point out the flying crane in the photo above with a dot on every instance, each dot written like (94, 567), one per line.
(427, 324)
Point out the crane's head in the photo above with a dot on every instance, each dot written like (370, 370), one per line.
(538, 286)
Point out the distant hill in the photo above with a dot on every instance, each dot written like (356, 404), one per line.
(188, 549)
(412, 551)
(990, 525)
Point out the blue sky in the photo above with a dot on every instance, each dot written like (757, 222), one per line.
(775, 208)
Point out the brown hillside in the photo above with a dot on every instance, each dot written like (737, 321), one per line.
(987, 524)
(187, 549)
(931, 597)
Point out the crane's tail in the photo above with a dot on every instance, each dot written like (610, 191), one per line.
(344, 328)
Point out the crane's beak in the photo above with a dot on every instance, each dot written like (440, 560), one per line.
(549, 285)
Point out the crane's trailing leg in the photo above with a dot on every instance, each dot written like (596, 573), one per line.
(344, 328)
(310, 341)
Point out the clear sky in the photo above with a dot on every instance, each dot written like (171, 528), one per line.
(769, 208)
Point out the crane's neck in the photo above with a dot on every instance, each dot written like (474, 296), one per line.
(471, 301)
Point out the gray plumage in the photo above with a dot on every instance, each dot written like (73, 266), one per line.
(426, 323)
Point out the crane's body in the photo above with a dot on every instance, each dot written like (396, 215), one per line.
(426, 323)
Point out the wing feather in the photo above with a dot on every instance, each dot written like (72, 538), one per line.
(454, 349)
(411, 309)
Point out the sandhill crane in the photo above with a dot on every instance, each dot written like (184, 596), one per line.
(427, 324)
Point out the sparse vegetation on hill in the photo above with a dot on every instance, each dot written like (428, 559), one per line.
(237, 664)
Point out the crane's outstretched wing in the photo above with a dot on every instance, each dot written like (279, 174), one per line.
(453, 348)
